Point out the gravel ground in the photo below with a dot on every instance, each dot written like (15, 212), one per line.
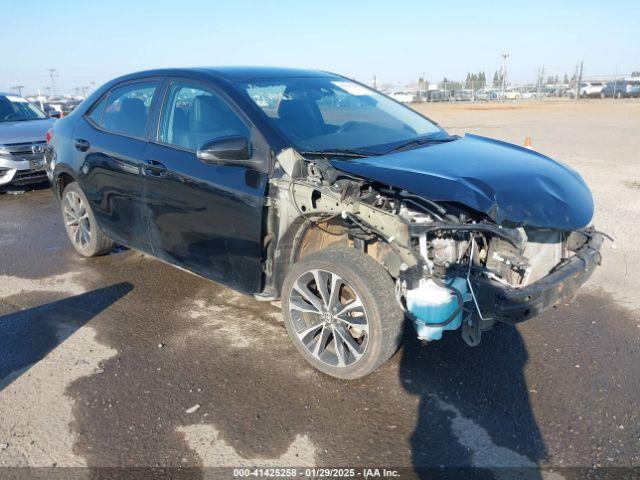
(125, 361)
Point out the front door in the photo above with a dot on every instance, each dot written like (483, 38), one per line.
(206, 218)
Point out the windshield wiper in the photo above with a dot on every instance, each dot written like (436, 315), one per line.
(339, 152)
(417, 142)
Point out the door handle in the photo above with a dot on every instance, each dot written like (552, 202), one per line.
(82, 145)
(154, 168)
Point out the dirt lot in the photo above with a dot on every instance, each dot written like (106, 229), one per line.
(100, 359)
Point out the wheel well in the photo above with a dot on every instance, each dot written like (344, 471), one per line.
(320, 236)
(303, 239)
(62, 181)
(332, 233)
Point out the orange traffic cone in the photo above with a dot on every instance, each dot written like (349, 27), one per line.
(527, 143)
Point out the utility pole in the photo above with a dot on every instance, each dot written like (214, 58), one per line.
(375, 82)
(52, 75)
(540, 80)
(578, 80)
(504, 72)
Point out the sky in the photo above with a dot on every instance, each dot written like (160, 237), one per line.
(397, 41)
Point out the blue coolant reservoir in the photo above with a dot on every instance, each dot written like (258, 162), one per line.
(431, 303)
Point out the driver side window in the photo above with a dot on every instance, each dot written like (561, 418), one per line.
(193, 116)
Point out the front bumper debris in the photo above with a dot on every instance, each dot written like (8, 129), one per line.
(513, 305)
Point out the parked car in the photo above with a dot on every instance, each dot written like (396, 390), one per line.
(22, 139)
(51, 111)
(463, 95)
(615, 89)
(437, 96)
(352, 209)
(402, 97)
(69, 106)
(512, 94)
(621, 89)
(494, 94)
(482, 95)
(588, 90)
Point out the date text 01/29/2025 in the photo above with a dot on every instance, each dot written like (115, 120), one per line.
(316, 472)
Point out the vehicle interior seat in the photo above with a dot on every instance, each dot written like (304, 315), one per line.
(300, 114)
(179, 124)
(131, 118)
(209, 118)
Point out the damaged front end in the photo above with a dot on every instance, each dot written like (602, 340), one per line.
(454, 267)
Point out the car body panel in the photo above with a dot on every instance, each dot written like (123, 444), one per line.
(23, 132)
(109, 174)
(206, 218)
(512, 185)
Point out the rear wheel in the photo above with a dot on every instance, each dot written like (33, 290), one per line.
(341, 313)
(80, 223)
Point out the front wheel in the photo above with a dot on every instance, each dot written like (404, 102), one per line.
(80, 223)
(341, 313)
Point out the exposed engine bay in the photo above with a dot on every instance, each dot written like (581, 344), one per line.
(454, 268)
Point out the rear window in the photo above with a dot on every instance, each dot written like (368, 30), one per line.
(125, 110)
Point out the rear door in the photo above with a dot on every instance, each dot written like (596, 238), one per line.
(109, 144)
(206, 218)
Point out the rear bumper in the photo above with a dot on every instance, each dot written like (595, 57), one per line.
(513, 305)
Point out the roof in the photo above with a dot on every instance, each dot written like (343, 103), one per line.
(234, 73)
(242, 72)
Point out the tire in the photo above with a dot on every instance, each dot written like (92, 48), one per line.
(80, 223)
(366, 280)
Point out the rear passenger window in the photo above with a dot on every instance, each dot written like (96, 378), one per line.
(126, 109)
(96, 112)
(193, 116)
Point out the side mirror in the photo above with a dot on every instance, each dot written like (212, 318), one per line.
(233, 149)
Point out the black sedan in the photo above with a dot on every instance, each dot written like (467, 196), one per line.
(352, 209)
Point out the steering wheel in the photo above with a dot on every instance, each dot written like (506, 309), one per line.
(346, 127)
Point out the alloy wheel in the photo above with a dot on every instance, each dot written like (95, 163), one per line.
(329, 318)
(76, 218)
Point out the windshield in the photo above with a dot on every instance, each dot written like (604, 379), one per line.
(331, 113)
(17, 109)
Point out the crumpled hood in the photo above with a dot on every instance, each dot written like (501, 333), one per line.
(23, 132)
(513, 185)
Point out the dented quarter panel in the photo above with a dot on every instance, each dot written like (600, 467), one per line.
(512, 185)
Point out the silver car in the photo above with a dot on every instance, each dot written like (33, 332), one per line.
(22, 139)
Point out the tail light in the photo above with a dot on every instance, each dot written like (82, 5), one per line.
(48, 136)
